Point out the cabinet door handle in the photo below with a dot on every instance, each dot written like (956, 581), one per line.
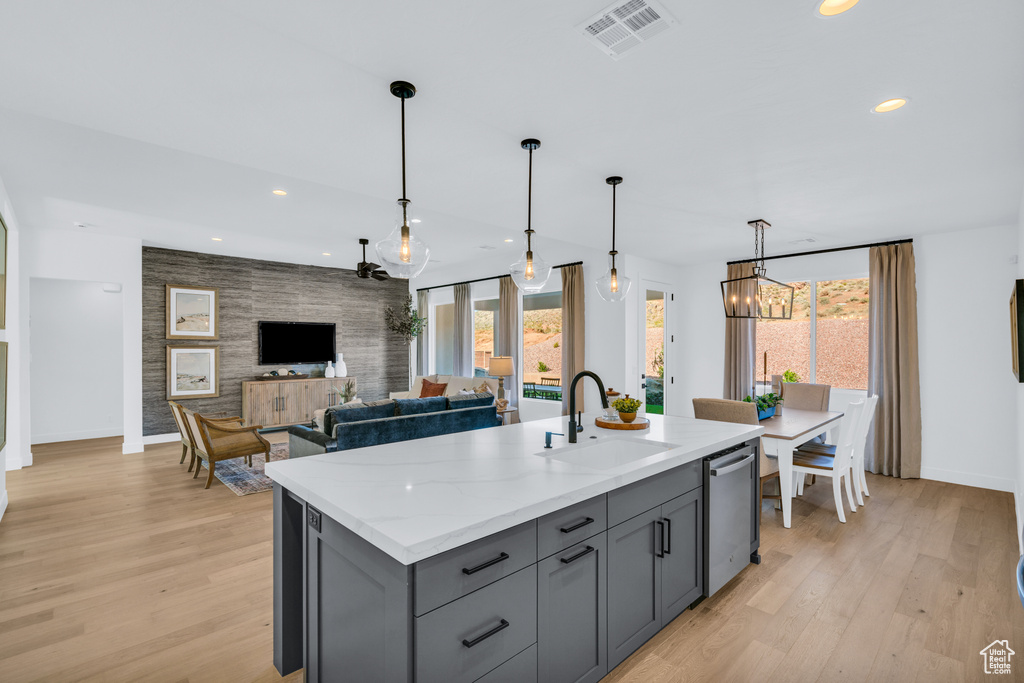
(500, 627)
(569, 560)
(667, 547)
(485, 565)
(574, 527)
(661, 538)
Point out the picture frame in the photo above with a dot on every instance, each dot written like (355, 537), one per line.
(193, 372)
(192, 312)
(3, 394)
(1017, 327)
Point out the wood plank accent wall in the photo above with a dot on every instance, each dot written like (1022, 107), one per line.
(253, 290)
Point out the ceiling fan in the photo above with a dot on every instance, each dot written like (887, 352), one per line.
(366, 269)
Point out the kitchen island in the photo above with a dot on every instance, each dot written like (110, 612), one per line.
(484, 556)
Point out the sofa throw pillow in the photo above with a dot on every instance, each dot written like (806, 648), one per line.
(356, 412)
(432, 389)
(470, 401)
(416, 406)
(484, 388)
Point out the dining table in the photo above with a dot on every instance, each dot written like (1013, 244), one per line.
(783, 434)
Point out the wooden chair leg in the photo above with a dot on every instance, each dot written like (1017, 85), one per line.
(199, 466)
(184, 452)
(209, 477)
(192, 460)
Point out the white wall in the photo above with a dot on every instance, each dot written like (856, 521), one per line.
(968, 392)
(80, 255)
(76, 345)
(1019, 446)
(11, 453)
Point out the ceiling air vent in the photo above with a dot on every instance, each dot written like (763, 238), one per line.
(624, 26)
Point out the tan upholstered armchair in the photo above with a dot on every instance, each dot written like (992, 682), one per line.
(223, 439)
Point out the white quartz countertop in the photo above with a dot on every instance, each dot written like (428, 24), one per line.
(416, 499)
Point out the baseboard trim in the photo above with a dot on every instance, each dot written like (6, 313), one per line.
(161, 438)
(3, 503)
(14, 462)
(983, 481)
(132, 447)
(60, 437)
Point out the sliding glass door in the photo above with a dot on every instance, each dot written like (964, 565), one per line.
(653, 350)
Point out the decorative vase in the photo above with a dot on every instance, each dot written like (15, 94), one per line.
(329, 370)
(340, 369)
(627, 417)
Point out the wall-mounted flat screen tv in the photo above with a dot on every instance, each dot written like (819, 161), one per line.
(282, 343)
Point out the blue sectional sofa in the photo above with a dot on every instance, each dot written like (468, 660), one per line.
(389, 421)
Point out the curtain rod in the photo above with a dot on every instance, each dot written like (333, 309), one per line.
(823, 251)
(493, 277)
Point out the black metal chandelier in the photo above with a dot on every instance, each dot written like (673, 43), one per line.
(756, 295)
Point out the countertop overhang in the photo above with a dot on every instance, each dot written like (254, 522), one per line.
(416, 499)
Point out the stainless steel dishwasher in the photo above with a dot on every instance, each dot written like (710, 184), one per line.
(730, 485)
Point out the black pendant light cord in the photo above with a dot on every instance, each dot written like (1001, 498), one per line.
(404, 195)
(529, 205)
(613, 221)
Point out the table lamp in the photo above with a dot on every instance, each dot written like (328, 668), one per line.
(501, 367)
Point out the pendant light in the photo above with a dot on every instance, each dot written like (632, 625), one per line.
(530, 272)
(612, 287)
(403, 254)
(756, 295)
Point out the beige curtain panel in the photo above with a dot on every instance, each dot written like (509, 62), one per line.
(894, 448)
(573, 332)
(508, 339)
(422, 345)
(463, 346)
(739, 337)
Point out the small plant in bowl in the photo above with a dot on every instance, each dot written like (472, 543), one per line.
(790, 376)
(765, 404)
(627, 408)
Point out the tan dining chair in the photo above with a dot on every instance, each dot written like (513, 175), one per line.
(740, 412)
(223, 439)
(805, 396)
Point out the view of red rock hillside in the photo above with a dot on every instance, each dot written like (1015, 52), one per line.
(542, 340)
(841, 331)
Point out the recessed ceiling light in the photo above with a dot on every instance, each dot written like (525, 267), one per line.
(890, 105)
(830, 8)
(507, 241)
(217, 239)
(326, 253)
(280, 192)
(416, 220)
(81, 225)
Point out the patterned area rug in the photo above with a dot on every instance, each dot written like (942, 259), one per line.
(242, 479)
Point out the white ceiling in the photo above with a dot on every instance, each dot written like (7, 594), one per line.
(172, 121)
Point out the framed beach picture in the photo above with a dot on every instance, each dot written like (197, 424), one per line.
(192, 312)
(193, 371)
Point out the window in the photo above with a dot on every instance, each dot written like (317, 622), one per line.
(824, 343)
(485, 335)
(542, 340)
(444, 338)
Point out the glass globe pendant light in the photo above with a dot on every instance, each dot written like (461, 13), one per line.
(403, 254)
(613, 287)
(530, 272)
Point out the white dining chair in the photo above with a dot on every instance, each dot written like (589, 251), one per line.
(860, 442)
(839, 465)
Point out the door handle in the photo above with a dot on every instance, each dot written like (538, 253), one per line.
(661, 538)
(729, 469)
(667, 548)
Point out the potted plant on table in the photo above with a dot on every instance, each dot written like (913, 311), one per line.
(627, 408)
(765, 404)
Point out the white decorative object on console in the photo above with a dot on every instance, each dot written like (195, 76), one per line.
(329, 370)
(340, 368)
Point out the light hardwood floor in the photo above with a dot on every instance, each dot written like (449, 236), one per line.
(123, 568)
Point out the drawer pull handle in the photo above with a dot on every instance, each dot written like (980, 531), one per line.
(667, 547)
(587, 551)
(485, 565)
(661, 538)
(574, 527)
(500, 627)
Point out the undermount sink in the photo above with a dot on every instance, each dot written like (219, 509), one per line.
(609, 454)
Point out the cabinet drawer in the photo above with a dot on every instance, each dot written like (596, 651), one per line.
(629, 501)
(467, 638)
(520, 669)
(450, 575)
(565, 528)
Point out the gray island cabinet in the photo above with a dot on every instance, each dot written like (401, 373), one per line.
(562, 596)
